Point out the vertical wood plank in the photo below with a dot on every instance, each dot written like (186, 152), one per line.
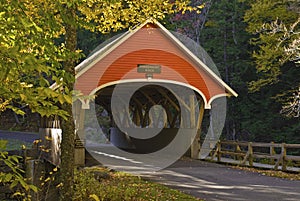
(250, 151)
(219, 151)
(195, 147)
(283, 155)
(272, 153)
(79, 152)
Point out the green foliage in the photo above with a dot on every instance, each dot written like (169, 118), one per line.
(226, 41)
(265, 21)
(226, 37)
(276, 78)
(14, 178)
(100, 184)
(31, 54)
(107, 16)
(275, 30)
(28, 58)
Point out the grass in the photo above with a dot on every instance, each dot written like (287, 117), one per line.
(98, 183)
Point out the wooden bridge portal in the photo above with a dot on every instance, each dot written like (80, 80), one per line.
(151, 55)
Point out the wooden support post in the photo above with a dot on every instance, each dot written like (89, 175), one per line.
(283, 157)
(126, 118)
(79, 158)
(219, 151)
(272, 153)
(139, 115)
(146, 118)
(195, 147)
(169, 116)
(192, 112)
(237, 150)
(250, 151)
(172, 124)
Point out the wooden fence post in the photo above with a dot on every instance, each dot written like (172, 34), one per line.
(250, 151)
(277, 159)
(219, 151)
(237, 150)
(283, 156)
(272, 153)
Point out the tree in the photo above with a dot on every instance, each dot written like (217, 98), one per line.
(275, 26)
(251, 116)
(191, 23)
(220, 30)
(290, 42)
(31, 57)
(28, 56)
(43, 47)
(291, 106)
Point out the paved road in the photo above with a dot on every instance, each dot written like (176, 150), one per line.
(22, 136)
(211, 181)
(217, 182)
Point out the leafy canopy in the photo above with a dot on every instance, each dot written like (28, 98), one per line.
(32, 52)
(274, 25)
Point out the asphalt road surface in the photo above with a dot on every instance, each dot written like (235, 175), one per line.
(22, 136)
(215, 182)
(209, 181)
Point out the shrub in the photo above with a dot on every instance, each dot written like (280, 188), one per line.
(12, 175)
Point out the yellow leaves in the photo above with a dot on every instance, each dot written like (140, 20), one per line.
(47, 179)
(35, 142)
(165, 3)
(3, 105)
(25, 85)
(23, 97)
(201, 6)
(95, 197)
(59, 185)
(2, 14)
(116, 15)
(61, 99)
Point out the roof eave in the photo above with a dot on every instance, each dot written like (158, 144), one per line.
(196, 59)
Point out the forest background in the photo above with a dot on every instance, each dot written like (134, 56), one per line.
(254, 44)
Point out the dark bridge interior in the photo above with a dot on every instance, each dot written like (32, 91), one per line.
(177, 114)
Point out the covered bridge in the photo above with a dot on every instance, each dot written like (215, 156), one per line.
(138, 70)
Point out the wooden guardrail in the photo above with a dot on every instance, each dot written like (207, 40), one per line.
(247, 153)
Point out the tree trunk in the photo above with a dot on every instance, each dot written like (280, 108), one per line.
(68, 126)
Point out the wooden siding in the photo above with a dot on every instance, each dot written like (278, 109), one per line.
(148, 45)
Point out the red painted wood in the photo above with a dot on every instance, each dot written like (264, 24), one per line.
(148, 45)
